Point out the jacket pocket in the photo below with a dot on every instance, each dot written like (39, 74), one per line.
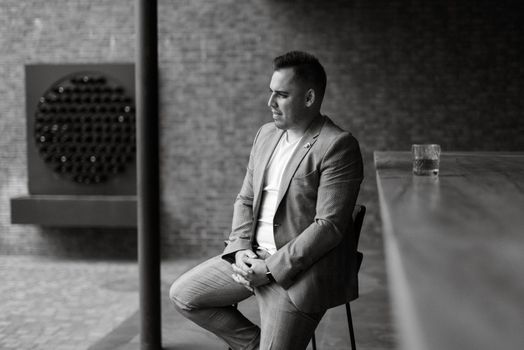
(305, 189)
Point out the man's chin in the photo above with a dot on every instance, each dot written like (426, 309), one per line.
(279, 124)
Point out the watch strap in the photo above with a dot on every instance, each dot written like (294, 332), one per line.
(270, 276)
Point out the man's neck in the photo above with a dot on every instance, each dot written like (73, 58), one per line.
(294, 135)
(297, 133)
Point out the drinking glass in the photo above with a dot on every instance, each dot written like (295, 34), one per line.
(426, 159)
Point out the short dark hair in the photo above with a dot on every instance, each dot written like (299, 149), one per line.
(307, 69)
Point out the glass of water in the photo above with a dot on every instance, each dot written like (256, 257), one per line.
(426, 159)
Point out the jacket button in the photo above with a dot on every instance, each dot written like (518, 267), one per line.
(276, 225)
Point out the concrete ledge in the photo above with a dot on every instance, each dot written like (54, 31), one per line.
(75, 211)
(453, 245)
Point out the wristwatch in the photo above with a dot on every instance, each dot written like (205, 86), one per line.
(270, 276)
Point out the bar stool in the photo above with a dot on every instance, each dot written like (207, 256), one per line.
(358, 219)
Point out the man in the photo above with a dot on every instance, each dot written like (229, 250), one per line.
(291, 243)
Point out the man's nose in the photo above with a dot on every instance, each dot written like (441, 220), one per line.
(271, 102)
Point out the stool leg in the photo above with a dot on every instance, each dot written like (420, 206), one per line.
(350, 326)
(314, 342)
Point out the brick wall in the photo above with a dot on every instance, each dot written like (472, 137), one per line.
(398, 73)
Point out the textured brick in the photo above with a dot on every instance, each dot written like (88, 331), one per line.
(399, 73)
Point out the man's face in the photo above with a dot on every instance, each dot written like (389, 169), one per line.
(287, 101)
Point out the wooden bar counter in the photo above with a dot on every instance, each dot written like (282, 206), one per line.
(455, 250)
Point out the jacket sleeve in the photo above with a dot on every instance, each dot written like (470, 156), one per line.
(341, 173)
(242, 226)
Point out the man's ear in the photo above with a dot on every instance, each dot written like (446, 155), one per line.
(310, 97)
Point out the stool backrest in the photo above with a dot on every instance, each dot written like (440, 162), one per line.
(358, 218)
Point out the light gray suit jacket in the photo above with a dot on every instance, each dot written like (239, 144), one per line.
(316, 259)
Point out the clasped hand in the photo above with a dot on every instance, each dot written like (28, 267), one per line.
(250, 270)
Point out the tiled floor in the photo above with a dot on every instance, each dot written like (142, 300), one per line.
(93, 305)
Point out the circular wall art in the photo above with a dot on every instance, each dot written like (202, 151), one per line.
(85, 128)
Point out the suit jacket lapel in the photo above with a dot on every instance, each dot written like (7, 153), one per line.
(303, 147)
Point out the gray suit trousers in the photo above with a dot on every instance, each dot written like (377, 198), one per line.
(205, 295)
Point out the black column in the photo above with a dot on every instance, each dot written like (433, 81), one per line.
(148, 173)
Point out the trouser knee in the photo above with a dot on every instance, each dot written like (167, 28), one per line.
(176, 293)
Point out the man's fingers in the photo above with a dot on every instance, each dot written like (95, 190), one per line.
(241, 271)
(257, 265)
(241, 280)
(242, 265)
(251, 261)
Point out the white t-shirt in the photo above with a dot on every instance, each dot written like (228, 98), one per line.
(277, 164)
